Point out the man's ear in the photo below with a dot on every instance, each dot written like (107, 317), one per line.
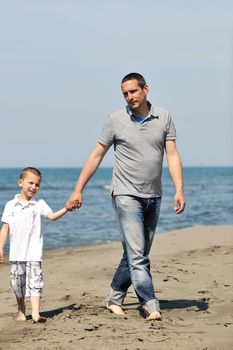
(146, 89)
(20, 181)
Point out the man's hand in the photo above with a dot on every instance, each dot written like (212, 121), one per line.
(179, 203)
(75, 201)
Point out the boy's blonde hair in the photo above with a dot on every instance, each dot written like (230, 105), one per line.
(30, 170)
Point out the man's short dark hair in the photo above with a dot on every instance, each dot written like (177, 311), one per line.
(135, 76)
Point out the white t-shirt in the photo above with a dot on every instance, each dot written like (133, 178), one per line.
(24, 219)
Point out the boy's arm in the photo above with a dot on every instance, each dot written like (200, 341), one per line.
(3, 238)
(57, 214)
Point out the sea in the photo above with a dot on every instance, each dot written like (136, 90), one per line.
(208, 194)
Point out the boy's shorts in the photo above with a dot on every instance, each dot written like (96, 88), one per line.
(27, 278)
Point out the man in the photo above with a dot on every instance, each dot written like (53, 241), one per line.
(140, 133)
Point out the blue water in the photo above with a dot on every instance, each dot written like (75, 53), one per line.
(208, 193)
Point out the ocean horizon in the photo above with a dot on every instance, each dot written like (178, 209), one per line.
(208, 194)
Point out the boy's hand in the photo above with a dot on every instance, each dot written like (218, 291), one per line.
(75, 201)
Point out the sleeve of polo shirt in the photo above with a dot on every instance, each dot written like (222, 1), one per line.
(5, 215)
(170, 129)
(107, 133)
(44, 208)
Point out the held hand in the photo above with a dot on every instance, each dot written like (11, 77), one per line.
(179, 203)
(75, 201)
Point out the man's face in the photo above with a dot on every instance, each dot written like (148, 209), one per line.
(134, 95)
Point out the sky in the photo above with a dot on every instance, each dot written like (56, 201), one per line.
(61, 63)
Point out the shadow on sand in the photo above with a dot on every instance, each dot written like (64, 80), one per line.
(183, 304)
(55, 312)
(199, 305)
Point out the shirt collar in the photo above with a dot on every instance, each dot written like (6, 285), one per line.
(32, 201)
(151, 114)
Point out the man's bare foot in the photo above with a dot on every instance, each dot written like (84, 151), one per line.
(116, 309)
(154, 316)
(21, 317)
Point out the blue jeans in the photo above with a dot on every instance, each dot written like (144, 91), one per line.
(137, 219)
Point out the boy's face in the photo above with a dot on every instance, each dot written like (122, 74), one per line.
(30, 185)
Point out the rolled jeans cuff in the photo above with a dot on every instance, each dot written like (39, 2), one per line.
(115, 296)
(152, 305)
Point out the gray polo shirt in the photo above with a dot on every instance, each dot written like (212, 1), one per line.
(139, 150)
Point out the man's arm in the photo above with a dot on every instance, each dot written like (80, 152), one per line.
(88, 170)
(175, 168)
(3, 238)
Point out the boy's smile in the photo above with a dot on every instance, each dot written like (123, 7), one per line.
(30, 185)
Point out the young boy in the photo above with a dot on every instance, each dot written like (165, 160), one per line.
(22, 219)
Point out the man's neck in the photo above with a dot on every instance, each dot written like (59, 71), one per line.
(142, 111)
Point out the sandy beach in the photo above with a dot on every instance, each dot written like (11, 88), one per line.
(192, 270)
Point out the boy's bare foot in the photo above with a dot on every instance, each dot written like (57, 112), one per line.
(116, 309)
(39, 320)
(21, 317)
